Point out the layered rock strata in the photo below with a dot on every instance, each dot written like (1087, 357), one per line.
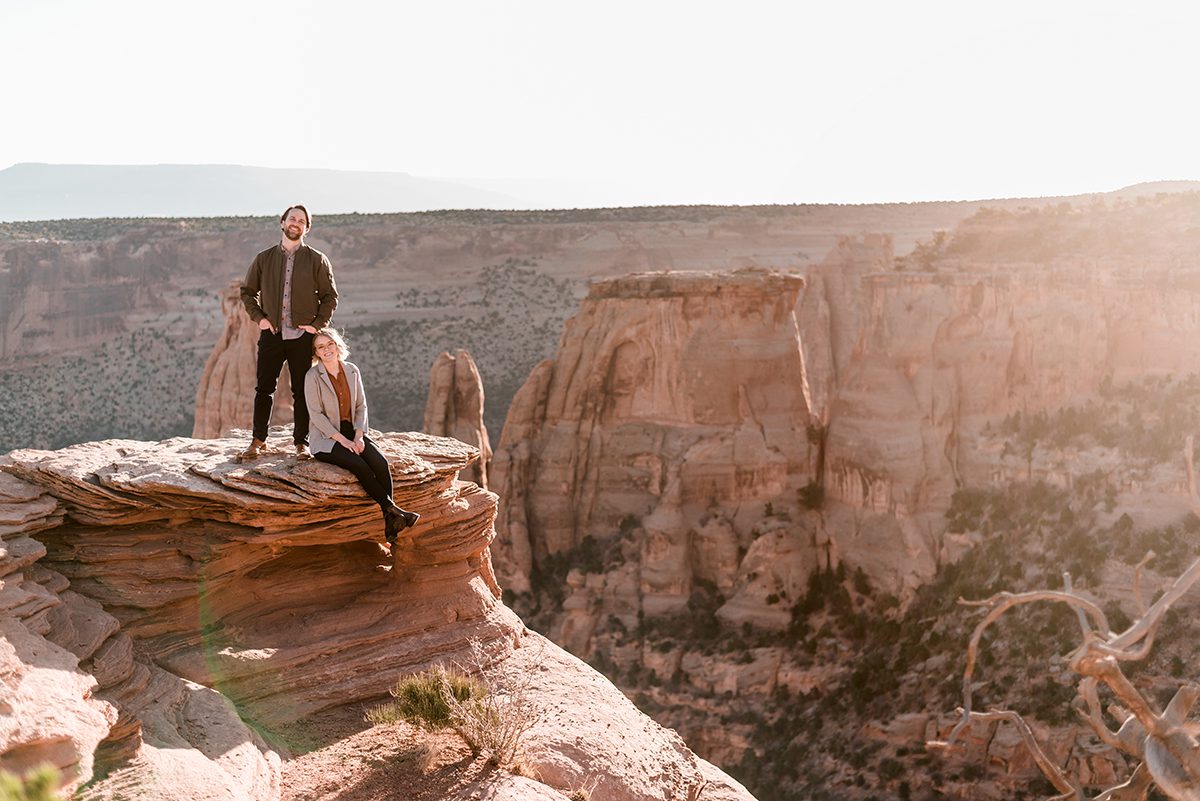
(210, 565)
(182, 592)
(48, 709)
(75, 691)
(911, 367)
(902, 370)
(455, 408)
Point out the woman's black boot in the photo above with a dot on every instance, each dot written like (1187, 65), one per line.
(402, 519)
(389, 527)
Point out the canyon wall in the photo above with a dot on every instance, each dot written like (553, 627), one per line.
(717, 489)
(676, 408)
(942, 355)
(901, 373)
(130, 309)
(942, 371)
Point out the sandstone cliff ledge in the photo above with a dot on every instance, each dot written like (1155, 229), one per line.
(161, 604)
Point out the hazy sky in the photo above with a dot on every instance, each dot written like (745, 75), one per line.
(620, 102)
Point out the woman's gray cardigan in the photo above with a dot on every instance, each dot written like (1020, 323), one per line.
(324, 421)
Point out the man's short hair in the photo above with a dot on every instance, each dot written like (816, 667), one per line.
(307, 216)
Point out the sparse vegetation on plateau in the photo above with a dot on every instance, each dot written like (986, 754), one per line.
(1144, 420)
(142, 384)
(96, 229)
(1101, 230)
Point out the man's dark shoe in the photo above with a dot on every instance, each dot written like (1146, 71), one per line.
(302, 451)
(253, 451)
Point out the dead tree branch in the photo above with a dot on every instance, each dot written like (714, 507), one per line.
(1163, 743)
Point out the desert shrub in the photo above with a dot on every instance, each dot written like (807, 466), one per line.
(591, 555)
(493, 718)
(584, 791)
(1146, 419)
(968, 509)
(862, 585)
(40, 785)
(424, 698)
(1117, 619)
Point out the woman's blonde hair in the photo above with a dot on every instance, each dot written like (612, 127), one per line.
(331, 333)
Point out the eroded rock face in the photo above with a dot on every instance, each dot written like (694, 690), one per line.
(116, 303)
(455, 408)
(75, 693)
(48, 709)
(943, 354)
(225, 573)
(180, 592)
(225, 396)
(831, 309)
(674, 399)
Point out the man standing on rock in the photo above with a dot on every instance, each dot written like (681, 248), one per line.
(289, 291)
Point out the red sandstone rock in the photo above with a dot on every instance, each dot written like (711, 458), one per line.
(830, 312)
(264, 585)
(674, 399)
(455, 408)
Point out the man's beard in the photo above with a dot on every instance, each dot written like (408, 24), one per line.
(294, 237)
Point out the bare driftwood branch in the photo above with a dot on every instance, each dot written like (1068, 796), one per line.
(1147, 624)
(1137, 582)
(1164, 743)
(1001, 603)
(1048, 768)
(1089, 692)
(1084, 628)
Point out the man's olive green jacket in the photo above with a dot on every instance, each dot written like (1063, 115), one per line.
(314, 293)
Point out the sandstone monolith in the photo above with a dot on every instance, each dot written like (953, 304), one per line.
(455, 408)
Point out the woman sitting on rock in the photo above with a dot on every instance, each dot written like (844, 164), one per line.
(337, 429)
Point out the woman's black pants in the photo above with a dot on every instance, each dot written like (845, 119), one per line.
(369, 467)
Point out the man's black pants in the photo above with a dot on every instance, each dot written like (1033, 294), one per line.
(370, 467)
(273, 351)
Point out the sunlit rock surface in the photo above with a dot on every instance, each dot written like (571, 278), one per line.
(180, 592)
